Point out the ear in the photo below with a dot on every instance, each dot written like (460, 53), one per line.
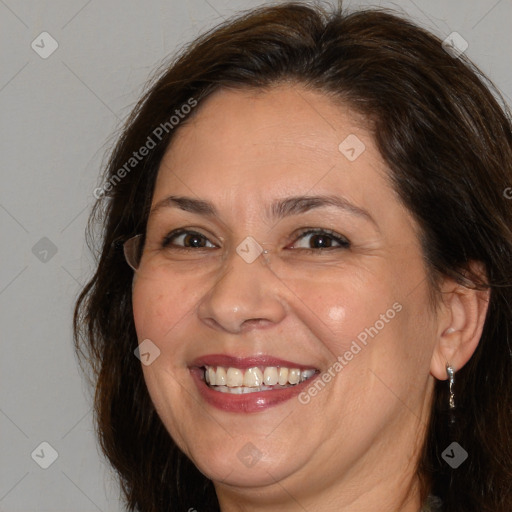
(460, 323)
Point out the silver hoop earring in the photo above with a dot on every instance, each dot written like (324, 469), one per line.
(451, 383)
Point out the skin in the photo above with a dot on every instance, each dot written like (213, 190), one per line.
(356, 444)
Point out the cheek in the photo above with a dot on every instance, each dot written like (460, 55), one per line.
(159, 303)
(340, 307)
(377, 314)
(336, 314)
(160, 306)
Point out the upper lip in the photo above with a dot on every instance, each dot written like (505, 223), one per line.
(244, 363)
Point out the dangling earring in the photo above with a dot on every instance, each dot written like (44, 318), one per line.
(451, 400)
(451, 383)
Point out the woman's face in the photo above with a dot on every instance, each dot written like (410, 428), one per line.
(339, 299)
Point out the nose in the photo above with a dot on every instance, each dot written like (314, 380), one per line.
(244, 296)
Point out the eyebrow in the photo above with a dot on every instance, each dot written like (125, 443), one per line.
(280, 209)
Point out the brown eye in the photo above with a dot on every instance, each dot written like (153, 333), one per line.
(187, 240)
(320, 239)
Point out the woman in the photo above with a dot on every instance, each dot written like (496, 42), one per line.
(314, 209)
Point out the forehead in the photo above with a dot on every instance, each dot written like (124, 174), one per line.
(268, 136)
(243, 149)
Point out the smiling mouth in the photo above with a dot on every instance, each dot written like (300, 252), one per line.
(256, 379)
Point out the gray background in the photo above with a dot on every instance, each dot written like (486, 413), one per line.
(58, 116)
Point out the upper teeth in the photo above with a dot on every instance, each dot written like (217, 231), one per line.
(255, 377)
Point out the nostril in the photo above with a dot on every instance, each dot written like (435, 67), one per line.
(254, 322)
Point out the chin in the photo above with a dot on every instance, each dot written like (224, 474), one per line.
(241, 462)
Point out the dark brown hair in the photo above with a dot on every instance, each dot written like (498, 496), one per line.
(448, 144)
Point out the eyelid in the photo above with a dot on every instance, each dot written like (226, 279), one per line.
(341, 239)
(166, 241)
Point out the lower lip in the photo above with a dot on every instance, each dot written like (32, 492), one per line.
(248, 402)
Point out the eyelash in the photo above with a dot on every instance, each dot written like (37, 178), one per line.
(343, 242)
(166, 242)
